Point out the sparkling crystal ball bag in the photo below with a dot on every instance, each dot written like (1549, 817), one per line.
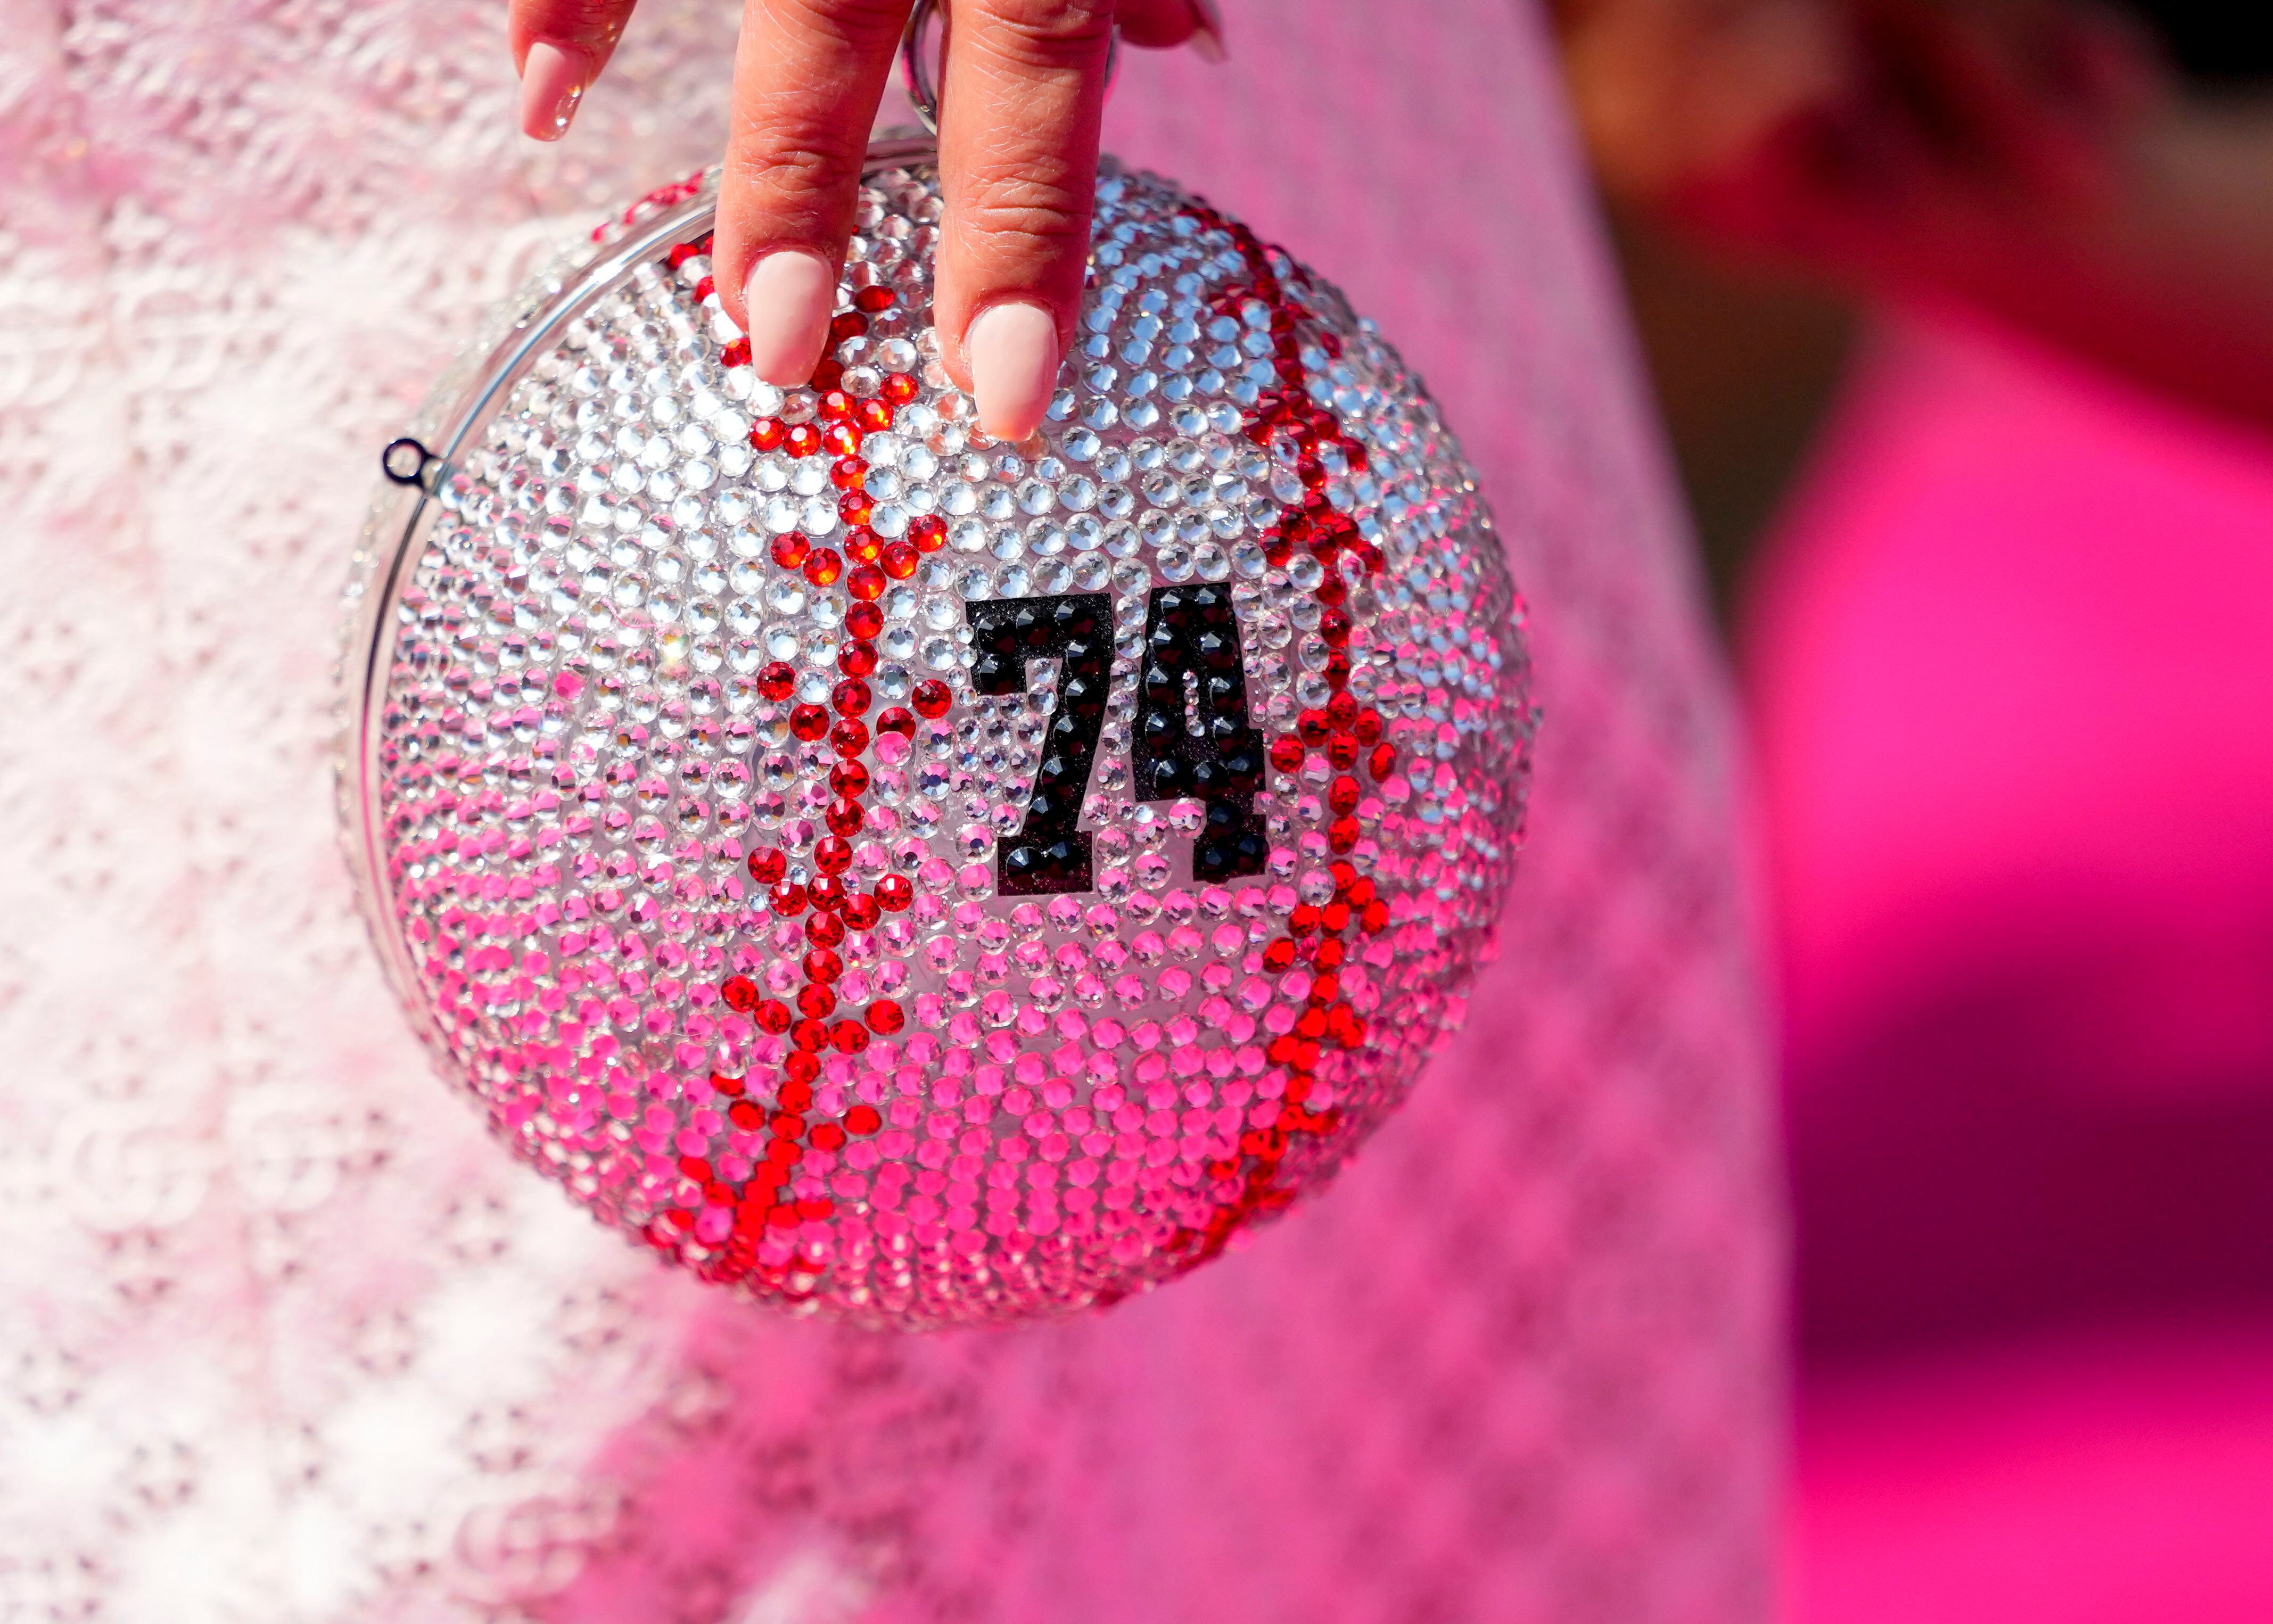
(912, 877)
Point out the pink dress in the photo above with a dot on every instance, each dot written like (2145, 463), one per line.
(285, 1338)
(2014, 715)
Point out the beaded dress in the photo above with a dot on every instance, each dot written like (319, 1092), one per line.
(285, 1338)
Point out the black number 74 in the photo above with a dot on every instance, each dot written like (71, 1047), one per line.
(1192, 736)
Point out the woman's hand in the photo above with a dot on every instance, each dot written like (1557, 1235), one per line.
(1023, 96)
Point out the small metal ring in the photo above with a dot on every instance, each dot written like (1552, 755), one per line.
(915, 67)
(410, 470)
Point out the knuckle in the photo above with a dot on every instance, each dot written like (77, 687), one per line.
(1041, 202)
(1050, 33)
(847, 23)
(785, 161)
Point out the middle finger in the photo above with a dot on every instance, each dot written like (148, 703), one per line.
(1023, 98)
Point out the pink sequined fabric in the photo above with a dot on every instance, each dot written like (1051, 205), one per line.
(286, 1338)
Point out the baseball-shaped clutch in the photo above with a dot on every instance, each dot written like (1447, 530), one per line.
(907, 875)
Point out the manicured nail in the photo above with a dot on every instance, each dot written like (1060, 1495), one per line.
(788, 298)
(552, 85)
(1013, 350)
(1208, 44)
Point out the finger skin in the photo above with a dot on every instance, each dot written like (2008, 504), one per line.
(808, 75)
(1019, 158)
(1023, 97)
(581, 35)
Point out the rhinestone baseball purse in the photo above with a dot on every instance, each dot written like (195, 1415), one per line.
(914, 877)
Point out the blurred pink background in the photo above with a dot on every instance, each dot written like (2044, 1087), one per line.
(2006, 652)
(1961, 319)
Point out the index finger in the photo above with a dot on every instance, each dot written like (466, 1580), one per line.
(807, 77)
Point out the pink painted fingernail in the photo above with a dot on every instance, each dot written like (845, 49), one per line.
(1207, 44)
(1013, 350)
(552, 85)
(789, 297)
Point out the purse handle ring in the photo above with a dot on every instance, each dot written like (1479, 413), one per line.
(915, 63)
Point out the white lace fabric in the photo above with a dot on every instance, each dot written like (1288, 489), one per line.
(285, 1338)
